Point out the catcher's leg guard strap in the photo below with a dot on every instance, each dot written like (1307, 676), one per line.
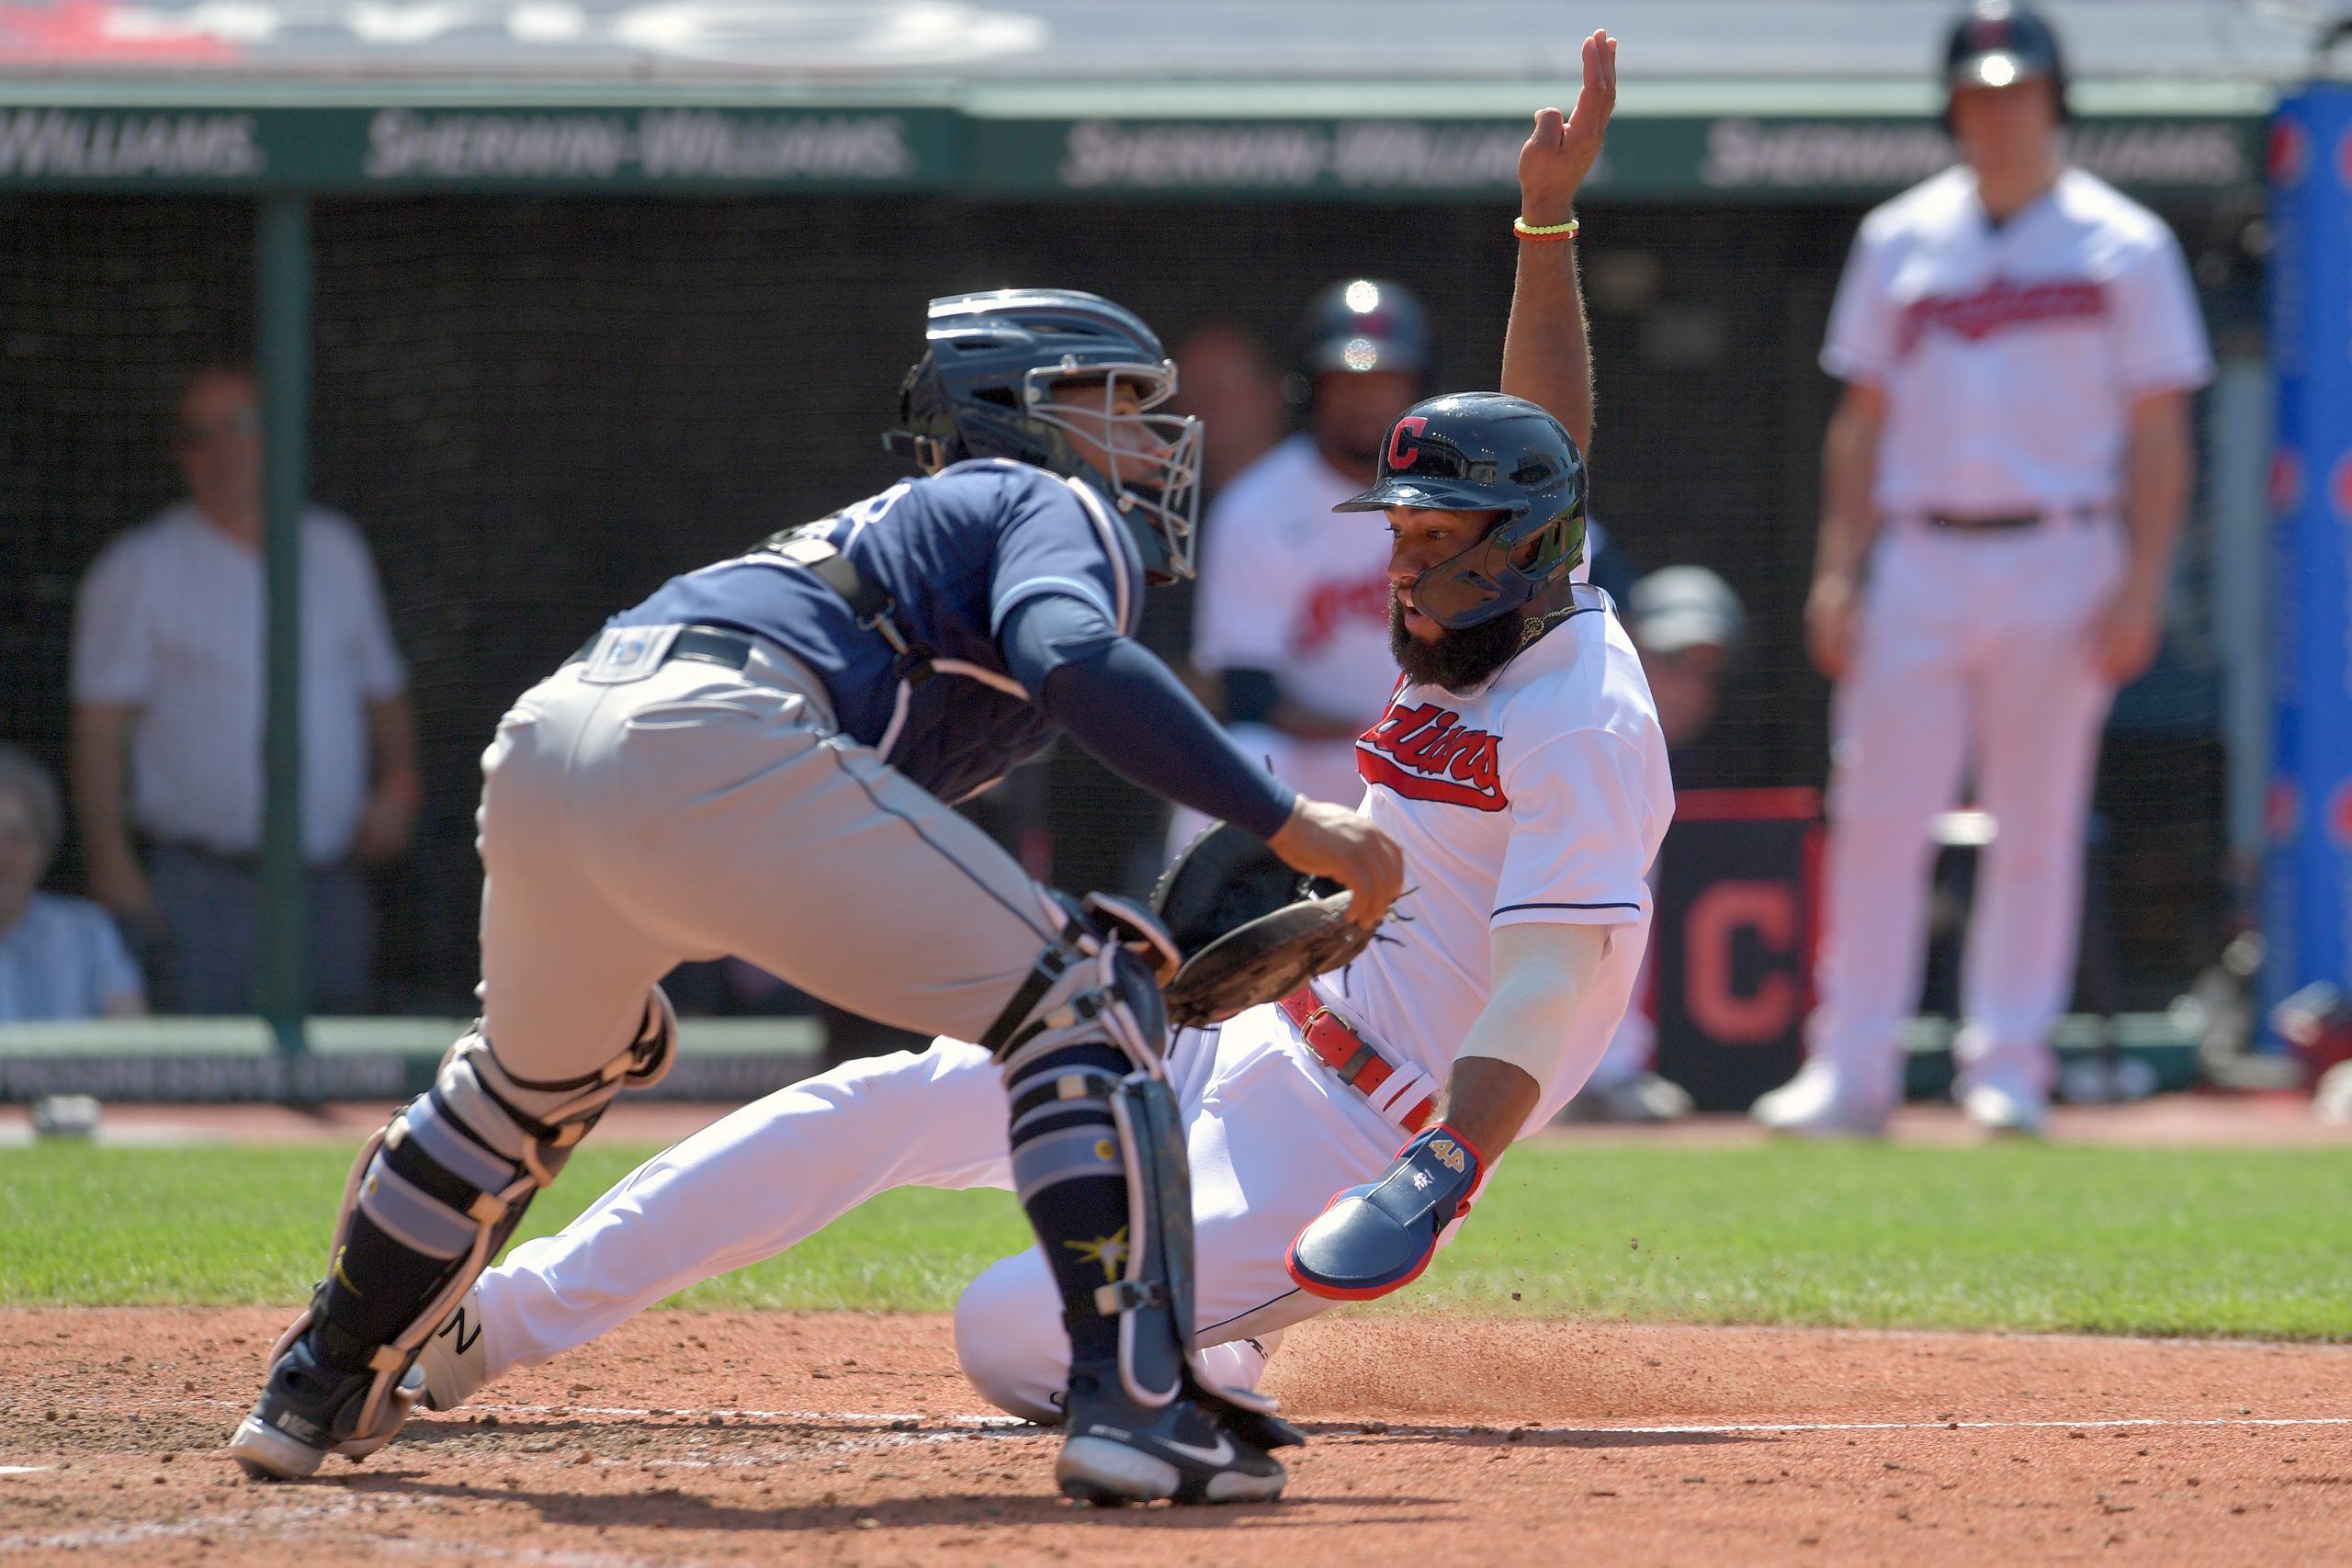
(435, 1194)
(1152, 1301)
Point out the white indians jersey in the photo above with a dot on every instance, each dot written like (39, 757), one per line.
(1540, 797)
(2009, 355)
(1290, 586)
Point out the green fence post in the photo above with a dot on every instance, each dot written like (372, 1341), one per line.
(283, 358)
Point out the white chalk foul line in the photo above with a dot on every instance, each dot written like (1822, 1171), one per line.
(842, 1418)
(1801, 1426)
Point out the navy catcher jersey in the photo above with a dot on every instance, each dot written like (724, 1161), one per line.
(955, 552)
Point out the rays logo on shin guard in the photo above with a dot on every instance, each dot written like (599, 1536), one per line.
(1111, 1251)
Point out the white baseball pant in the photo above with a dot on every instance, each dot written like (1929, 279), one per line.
(1270, 1134)
(1975, 649)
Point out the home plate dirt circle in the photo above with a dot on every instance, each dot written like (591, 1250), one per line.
(727, 1438)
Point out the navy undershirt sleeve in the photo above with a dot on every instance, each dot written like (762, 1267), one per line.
(1129, 710)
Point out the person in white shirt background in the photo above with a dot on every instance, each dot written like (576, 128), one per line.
(169, 692)
(61, 958)
(2010, 462)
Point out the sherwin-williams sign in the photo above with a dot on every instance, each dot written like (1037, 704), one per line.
(695, 147)
(345, 150)
(1678, 159)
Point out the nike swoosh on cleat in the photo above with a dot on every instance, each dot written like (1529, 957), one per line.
(1221, 1454)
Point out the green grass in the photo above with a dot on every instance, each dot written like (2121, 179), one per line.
(2124, 1241)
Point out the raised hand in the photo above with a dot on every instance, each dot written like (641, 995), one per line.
(1562, 150)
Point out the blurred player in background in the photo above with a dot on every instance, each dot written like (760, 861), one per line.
(2010, 463)
(1687, 623)
(1293, 614)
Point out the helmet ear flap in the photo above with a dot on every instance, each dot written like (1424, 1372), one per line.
(928, 435)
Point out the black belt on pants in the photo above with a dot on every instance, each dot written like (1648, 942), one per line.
(706, 644)
(2012, 521)
(874, 609)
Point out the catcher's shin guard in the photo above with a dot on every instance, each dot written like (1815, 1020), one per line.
(1097, 1159)
(430, 1202)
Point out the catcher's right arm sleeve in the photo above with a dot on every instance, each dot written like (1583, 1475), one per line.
(1129, 710)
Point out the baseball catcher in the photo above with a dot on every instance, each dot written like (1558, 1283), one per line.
(758, 760)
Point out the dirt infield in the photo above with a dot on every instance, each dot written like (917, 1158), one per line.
(714, 1438)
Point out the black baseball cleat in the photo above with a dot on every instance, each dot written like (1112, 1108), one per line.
(309, 1410)
(1117, 1451)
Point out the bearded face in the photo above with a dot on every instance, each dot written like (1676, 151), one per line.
(1457, 661)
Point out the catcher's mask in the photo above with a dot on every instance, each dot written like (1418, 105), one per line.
(1000, 376)
(1251, 929)
(1487, 452)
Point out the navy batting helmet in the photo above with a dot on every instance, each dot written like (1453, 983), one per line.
(1999, 43)
(1487, 452)
(1359, 324)
(986, 387)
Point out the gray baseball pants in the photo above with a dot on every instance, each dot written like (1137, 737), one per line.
(693, 811)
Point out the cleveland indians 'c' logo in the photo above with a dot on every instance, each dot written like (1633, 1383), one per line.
(1422, 754)
(1399, 455)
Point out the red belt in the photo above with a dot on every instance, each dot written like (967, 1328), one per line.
(1348, 1053)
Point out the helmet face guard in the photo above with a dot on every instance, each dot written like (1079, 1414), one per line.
(1151, 462)
(1484, 581)
(1038, 376)
(1487, 452)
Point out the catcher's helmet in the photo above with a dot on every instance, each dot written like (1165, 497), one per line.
(1487, 452)
(1359, 324)
(985, 388)
(1999, 43)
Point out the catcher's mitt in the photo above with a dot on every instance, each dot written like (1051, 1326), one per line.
(1252, 929)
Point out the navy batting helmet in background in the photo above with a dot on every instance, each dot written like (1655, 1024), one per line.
(1998, 44)
(1355, 326)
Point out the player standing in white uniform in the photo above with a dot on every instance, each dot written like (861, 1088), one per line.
(2011, 458)
(1293, 611)
(1520, 767)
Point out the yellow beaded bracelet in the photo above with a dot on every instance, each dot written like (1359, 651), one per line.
(1526, 231)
